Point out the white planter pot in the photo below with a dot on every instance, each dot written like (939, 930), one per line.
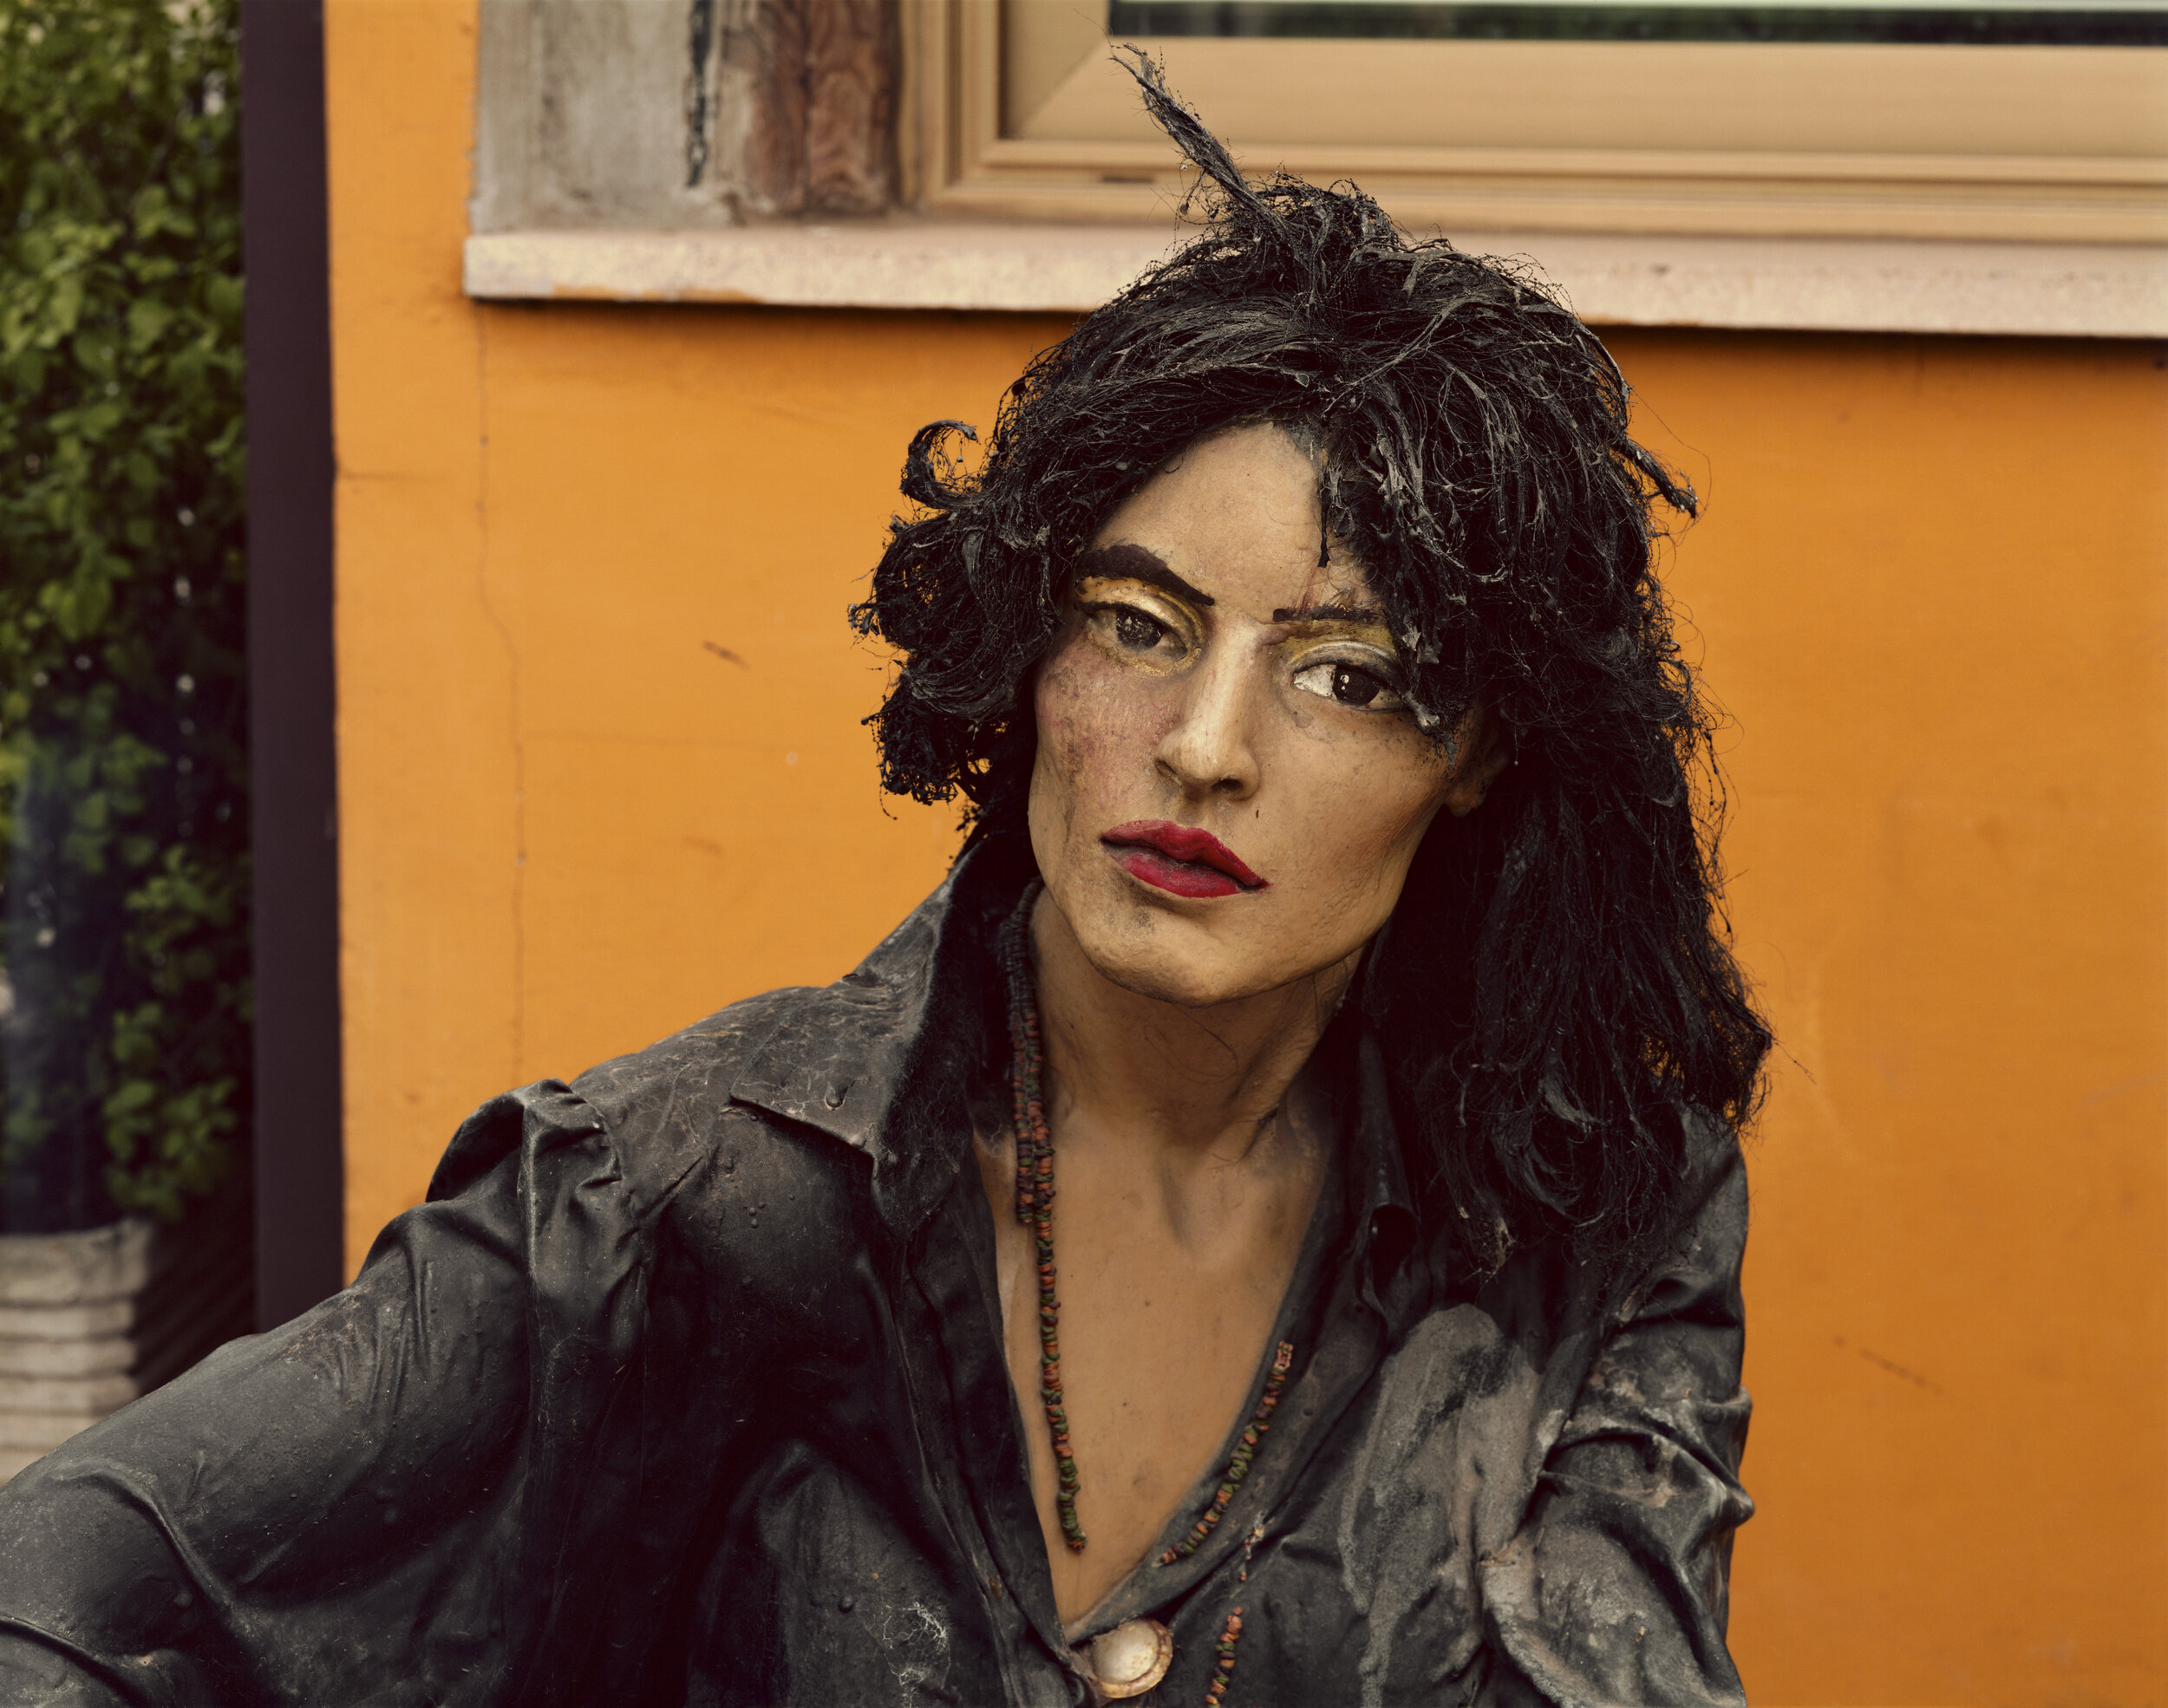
(69, 1308)
(90, 1321)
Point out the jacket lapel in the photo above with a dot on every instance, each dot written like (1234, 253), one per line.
(879, 1060)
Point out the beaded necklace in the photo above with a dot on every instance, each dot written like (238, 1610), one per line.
(1034, 1197)
(1223, 1660)
(1238, 1464)
(1035, 1209)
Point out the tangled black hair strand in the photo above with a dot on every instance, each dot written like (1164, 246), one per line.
(1554, 996)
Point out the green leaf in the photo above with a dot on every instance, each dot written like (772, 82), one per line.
(134, 1096)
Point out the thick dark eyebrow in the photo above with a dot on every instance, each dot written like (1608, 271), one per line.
(1136, 562)
(1331, 614)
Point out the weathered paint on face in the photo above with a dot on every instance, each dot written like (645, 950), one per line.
(1209, 676)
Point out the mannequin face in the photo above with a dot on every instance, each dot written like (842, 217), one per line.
(1228, 787)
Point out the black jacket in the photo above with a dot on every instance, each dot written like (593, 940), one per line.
(686, 1386)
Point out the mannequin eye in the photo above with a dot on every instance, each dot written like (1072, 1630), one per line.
(1135, 633)
(1129, 628)
(1348, 685)
(1134, 629)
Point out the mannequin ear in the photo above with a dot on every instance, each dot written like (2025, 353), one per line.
(1480, 753)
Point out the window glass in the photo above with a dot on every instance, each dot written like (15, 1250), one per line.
(1943, 22)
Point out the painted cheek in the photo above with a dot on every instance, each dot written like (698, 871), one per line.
(1107, 721)
(1131, 719)
(1375, 812)
(1070, 771)
(1061, 702)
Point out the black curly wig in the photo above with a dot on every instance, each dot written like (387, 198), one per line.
(1555, 991)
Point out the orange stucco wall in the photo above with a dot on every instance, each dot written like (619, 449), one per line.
(1931, 587)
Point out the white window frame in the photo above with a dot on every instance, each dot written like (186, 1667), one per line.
(1857, 141)
(2065, 244)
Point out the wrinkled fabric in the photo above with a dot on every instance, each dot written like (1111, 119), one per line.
(686, 1386)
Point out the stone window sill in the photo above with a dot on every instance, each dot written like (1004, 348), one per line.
(1803, 284)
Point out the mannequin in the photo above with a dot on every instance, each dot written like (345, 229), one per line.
(1266, 1229)
(1208, 673)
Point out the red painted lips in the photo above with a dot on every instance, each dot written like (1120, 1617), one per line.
(1178, 859)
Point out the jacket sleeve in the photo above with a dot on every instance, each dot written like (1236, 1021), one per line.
(1614, 1588)
(351, 1508)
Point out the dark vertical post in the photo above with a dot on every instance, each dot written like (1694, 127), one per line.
(299, 1178)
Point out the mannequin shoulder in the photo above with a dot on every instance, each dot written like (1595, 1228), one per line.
(720, 1167)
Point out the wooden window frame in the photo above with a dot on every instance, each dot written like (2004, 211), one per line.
(957, 157)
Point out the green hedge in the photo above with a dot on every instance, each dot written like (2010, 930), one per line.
(123, 724)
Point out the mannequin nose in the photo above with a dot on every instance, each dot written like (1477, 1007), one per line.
(1209, 750)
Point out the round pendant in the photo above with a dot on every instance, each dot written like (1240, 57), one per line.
(1131, 1659)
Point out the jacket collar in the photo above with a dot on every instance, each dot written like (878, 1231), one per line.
(861, 1060)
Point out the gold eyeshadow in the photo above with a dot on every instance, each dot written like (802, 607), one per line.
(1368, 644)
(1096, 596)
(1327, 637)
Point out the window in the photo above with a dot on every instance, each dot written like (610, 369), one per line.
(2046, 122)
